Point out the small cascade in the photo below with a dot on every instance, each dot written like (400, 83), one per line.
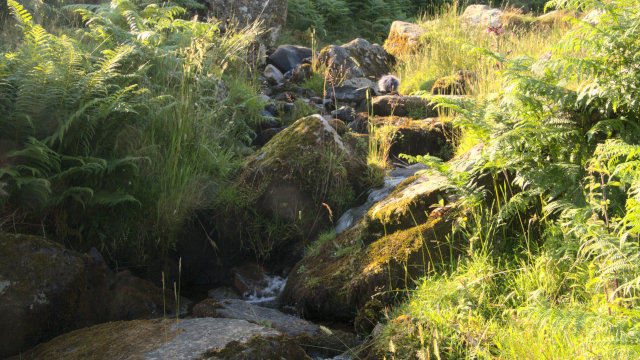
(268, 295)
(391, 181)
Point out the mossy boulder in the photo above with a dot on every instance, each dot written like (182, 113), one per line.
(301, 179)
(396, 241)
(46, 290)
(403, 38)
(344, 274)
(203, 338)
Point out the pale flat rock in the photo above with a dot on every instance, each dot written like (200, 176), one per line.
(211, 338)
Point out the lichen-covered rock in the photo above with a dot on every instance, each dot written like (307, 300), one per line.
(356, 59)
(403, 38)
(272, 14)
(416, 107)
(46, 290)
(482, 15)
(202, 338)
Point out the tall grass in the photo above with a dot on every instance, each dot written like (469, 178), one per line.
(143, 116)
(450, 46)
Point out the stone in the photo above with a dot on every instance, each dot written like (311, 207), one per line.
(356, 59)
(403, 38)
(46, 290)
(482, 15)
(360, 83)
(348, 94)
(390, 246)
(417, 107)
(360, 125)
(430, 136)
(307, 334)
(288, 57)
(344, 113)
(301, 73)
(291, 191)
(271, 13)
(273, 75)
(211, 338)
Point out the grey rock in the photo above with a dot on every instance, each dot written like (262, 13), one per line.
(273, 75)
(398, 105)
(345, 113)
(348, 93)
(288, 57)
(482, 15)
(357, 59)
(213, 338)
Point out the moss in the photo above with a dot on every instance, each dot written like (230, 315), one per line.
(115, 340)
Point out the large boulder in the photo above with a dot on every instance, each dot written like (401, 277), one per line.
(293, 186)
(356, 59)
(46, 290)
(397, 240)
(482, 15)
(403, 38)
(202, 338)
(288, 57)
(271, 13)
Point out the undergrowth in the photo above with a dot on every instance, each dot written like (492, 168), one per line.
(118, 129)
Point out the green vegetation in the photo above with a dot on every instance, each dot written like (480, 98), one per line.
(551, 263)
(115, 131)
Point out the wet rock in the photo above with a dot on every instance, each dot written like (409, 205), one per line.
(416, 107)
(46, 290)
(457, 84)
(307, 334)
(345, 113)
(356, 59)
(403, 38)
(271, 13)
(210, 338)
(288, 57)
(273, 75)
(482, 15)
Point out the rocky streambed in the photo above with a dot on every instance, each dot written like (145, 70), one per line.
(308, 175)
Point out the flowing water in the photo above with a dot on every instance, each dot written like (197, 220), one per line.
(392, 180)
